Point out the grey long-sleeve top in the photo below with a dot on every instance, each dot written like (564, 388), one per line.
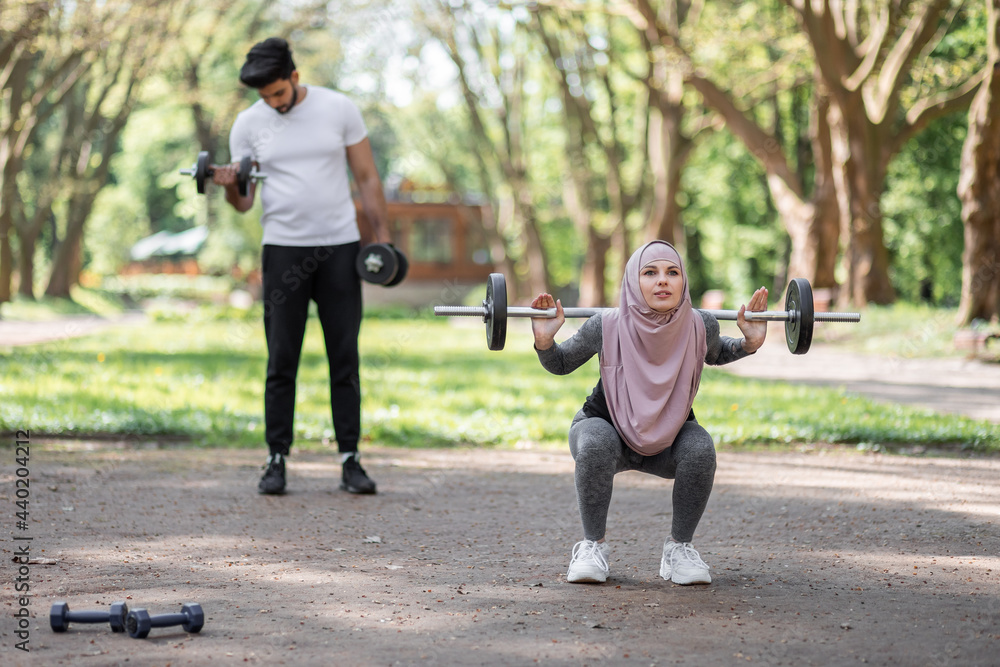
(564, 358)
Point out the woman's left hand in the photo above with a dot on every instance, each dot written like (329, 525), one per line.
(754, 333)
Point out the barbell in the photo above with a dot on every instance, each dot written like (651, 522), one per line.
(798, 315)
(203, 169)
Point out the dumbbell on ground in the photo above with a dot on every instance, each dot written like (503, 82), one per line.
(60, 616)
(139, 622)
(798, 315)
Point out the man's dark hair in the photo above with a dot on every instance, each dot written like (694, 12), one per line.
(267, 62)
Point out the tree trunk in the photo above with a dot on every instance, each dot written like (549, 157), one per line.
(859, 173)
(6, 259)
(534, 251)
(579, 206)
(66, 258)
(6, 252)
(494, 240)
(669, 151)
(593, 292)
(26, 268)
(979, 190)
(10, 165)
(814, 226)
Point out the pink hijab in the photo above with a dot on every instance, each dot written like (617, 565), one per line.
(651, 362)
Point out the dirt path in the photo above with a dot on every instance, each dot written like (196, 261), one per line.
(827, 558)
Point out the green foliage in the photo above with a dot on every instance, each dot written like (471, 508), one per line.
(373, 50)
(742, 242)
(142, 198)
(923, 215)
(426, 382)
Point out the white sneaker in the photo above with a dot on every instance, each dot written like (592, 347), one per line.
(682, 564)
(589, 564)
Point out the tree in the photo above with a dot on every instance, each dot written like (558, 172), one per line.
(36, 73)
(979, 188)
(670, 143)
(878, 82)
(598, 191)
(71, 86)
(877, 63)
(491, 65)
(95, 113)
(808, 213)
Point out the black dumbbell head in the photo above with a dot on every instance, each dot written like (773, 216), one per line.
(243, 175)
(58, 616)
(195, 615)
(202, 171)
(117, 616)
(137, 623)
(377, 263)
(404, 266)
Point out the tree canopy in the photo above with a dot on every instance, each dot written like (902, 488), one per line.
(853, 144)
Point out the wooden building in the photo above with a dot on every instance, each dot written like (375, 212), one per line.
(441, 241)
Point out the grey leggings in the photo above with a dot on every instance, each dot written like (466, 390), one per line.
(600, 454)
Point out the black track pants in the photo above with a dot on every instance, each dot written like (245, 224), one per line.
(293, 276)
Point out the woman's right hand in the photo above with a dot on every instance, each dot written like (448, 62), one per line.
(545, 328)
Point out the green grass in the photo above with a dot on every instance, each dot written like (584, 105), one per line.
(426, 382)
(901, 330)
(42, 309)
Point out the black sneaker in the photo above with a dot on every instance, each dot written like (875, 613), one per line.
(273, 481)
(355, 479)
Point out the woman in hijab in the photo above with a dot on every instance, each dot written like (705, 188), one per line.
(651, 349)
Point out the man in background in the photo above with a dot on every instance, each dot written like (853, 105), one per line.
(305, 138)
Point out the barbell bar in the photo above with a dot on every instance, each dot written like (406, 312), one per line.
(798, 316)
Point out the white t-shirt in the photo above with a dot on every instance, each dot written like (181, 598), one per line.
(306, 196)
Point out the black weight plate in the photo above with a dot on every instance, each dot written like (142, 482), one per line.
(243, 175)
(799, 327)
(377, 263)
(201, 171)
(496, 311)
(404, 266)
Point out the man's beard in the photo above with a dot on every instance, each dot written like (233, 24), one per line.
(291, 105)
